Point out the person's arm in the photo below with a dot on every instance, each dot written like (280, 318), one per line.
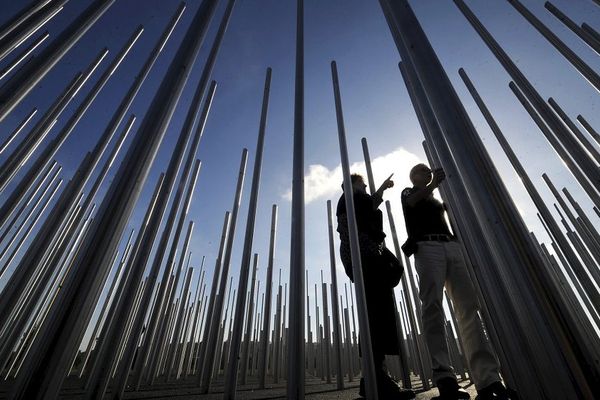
(378, 195)
(422, 193)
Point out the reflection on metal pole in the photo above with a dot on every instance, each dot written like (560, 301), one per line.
(368, 362)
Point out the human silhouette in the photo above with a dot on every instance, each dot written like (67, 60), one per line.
(439, 262)
(381, 272)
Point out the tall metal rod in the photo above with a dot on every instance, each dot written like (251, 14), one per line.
(326, 323)
(209, 355)
(208, 316)
(15, 90)
(580, 136)
(573, 165)
(21, 17)
(337, 335)
(584, 162)
(16, 158)
(37, 186)
(561, 240)
(176, 161)
(62, 333)
(49, 242)
(576, 29)
(249, 324)
(410, 302)
(589, 128)
(26, 53)
(295, 341)
(399, 331)
(45, 238)
(368, 362)
(580, 65)
(231, 375)
(266, 327)
(17, 130)
(179, 315)
(10, 43)
(20, 155)
(591, 31)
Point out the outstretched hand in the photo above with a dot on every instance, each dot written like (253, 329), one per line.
(438, 177)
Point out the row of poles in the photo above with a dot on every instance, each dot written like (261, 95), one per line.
(71, 286)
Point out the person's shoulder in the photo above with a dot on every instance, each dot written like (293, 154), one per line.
(341, 205)
(407, 192)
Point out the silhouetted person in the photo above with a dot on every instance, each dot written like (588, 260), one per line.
(381, 272)
(439, 262)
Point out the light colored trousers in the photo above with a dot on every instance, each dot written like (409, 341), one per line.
(442, 264)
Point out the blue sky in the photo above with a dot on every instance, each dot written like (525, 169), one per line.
(376, 105)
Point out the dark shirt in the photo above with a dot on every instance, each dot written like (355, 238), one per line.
(369, 219)
(424, 218)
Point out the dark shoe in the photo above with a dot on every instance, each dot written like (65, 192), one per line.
(450, 390)
(496, 391)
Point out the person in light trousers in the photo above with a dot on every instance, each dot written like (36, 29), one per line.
(440, 263)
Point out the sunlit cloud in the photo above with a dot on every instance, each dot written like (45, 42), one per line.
(323, 183)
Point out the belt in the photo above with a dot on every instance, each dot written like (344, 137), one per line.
(437, 238)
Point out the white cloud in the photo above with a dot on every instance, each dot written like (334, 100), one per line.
(323, 183)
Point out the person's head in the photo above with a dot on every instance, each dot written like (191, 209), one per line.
(420, 175)
(358, 183)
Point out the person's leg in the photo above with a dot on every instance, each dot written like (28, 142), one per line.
(430, 261)
(478, 350)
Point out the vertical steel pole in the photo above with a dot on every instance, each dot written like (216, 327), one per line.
(25, 54)
(15, 90)
(21, 17)
(266, 327)
(589, 128)
(368, 362)
(337, 335)
(327, 343)
(249, 323)
(62, 333)
(576, 29)
(209, 356)
(17, 130)
(11, 42)
(580, 65)
(234, 354)
(45, 238)
(295, 342)
(208, 317)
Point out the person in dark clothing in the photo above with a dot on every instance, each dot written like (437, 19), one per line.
(439, 262)
(381, 272)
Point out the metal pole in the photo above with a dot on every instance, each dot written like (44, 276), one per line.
(572, 164)
(15, 90)
(231, 375)
(578, 134)
(21, 17)
(26, 53)
(62, 333)
(17, 130)
(539, 203)
(264, 340)
(26, 147)
(327, 344)
(45, 238)
(209, 356)
(179, 315)
(580, 65)
(277, 334)
(10, 43)
(29, 144)
(410, 302)
(589, 128)
(249, 323)
(583, 35)
(40, 257)
(296, 350)
(368, 362)
(337, 335)
(208, 317)
(584, 162)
